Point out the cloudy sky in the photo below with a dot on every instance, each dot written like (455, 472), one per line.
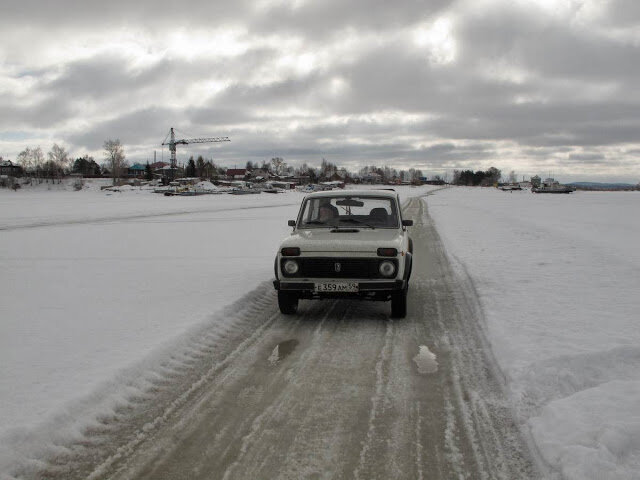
(535, 86)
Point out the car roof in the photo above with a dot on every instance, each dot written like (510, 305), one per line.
(354, 193)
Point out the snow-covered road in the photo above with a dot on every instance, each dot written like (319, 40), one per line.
(339, 391)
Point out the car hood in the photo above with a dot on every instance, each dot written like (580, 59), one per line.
(347, 240)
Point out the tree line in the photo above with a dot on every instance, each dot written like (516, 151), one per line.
(58, 163)
(479, 177)
(325, 172)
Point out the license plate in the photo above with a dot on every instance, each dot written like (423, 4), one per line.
(336, 287)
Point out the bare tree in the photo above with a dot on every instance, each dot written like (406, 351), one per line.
(38, 158)
(58, 162)
(59, 156)
(38, 162)
(114, 155)
(25, 159)
(278, 164)
(32, 160)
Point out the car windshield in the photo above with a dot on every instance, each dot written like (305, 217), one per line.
(349, 211)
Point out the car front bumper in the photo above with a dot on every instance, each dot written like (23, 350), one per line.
(371, 290)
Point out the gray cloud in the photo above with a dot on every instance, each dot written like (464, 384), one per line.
(40, 114)
(162, 13)
(100, 77)
(623, 13)
(544, 45)
(146, 126)
(586, 157)
(522, 83)
(323, 19)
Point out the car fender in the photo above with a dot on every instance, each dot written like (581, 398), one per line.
(408, 264)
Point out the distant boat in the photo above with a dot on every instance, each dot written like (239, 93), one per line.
(244, 191)
(510, 187)
(188, 191)
(313, 187)
(551, 186)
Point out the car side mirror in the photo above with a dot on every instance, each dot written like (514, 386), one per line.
(407, 223)
(291, 223)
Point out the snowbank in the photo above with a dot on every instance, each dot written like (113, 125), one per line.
(594, 433)
(558, 278)
(206, 186)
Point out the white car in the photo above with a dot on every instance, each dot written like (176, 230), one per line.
(346, 244)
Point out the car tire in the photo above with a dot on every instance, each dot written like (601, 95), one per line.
(399, 304)
(287, 302)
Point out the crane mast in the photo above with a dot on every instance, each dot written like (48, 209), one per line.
(173, 142)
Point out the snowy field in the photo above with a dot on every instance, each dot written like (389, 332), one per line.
(558, 278)
(93, 283)
(98, 288)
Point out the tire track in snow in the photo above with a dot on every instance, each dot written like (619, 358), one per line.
(376, 401)
(127, 218)
(158, 388)
(255, 430)
(476, 397)
(148, 429)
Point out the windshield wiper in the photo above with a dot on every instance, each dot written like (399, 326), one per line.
(354, 220)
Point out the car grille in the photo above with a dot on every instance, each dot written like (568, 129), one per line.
(339, 267)
(348, 267)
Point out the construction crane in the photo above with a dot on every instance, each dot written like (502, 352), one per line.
(173, 142)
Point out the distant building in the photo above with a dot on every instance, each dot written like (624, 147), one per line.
(136, 170)
(283, 185)
(158, 165)
(8, 168)
(338, 176)
(259, 174)
(302, 179)
(236, 173)
(433, 181)
(372, 177)
(536, 181)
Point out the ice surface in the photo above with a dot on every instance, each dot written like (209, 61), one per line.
(108, 280)
(95, 284)
(558, 279)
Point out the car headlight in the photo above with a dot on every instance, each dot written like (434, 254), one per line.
(387, 268)
(291, 267)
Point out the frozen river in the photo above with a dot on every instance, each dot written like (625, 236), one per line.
(338, 391)
(138, 331)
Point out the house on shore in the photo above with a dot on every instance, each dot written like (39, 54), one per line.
(236, 173)
(8, 168)
(137, 170)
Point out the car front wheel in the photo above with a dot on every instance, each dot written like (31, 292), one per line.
(399, 304)
(287, 302)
